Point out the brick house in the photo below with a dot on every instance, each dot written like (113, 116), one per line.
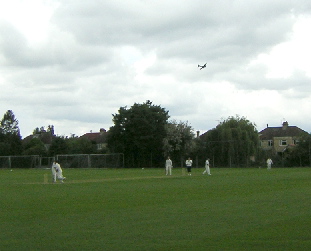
(278, 139)
(99, 138)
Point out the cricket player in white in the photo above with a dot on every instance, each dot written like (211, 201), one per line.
(189, 165)
(269, 163)
(57, 172)
(168, 166)
(207, 169)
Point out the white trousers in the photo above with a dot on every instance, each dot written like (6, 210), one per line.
(207, 170)
(57, 175)
(168, 170)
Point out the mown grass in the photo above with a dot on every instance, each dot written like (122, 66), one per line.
(135, 209)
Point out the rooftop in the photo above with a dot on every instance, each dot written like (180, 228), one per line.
(282, 131)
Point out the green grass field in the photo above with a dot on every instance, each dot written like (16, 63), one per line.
(135, 209)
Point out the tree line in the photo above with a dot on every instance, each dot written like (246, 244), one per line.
(146, 135)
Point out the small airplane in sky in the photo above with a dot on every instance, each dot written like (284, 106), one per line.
(202, 66)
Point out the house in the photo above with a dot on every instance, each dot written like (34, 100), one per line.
(46, 136)
(278, 139)
(99, 138)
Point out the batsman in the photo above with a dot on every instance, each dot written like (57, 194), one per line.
(57, 172)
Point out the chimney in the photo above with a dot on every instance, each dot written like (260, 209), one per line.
(198, 134)
(285, 125)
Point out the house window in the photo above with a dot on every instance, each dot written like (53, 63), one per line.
(270, 142)
(283, 142)
(295, 141)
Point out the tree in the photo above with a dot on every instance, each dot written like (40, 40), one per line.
(9, 124)
(35, 147)
(178, 140)
(59, 146)
(138, 133)
(299, 155)
(233, 142)
(36, 131)
(80, 146)
(10, 138)
(50, 130)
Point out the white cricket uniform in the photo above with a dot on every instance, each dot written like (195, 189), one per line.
(57, 172)
(168, 167)
(269, 163)
(207, 169)
(189, 165)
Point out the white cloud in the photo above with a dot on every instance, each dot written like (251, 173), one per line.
(31, 18)
(74, 63)
(292, 55)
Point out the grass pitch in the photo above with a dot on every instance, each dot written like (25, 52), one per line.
(135, 209)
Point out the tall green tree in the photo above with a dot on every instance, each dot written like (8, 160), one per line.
(10, 138)
(35, 147)
(299, 155)
(9, 124)
(232, 143)
(59, 145)
(178, 141)
(80, 146)
(138, 132)
(41, 130)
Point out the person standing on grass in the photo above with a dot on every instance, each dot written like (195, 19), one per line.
(207, 169)
(57, 172)
(189, 165)
(168, 166)
(269, 163)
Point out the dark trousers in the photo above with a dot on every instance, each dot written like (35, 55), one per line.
(189, 169)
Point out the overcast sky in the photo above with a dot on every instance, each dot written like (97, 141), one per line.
(74, 63)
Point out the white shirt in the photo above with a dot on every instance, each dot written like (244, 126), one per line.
(168, 163)
(188, 162)
(56, 167)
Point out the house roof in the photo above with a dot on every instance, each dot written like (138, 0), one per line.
(282, 131)
(98, 137)
(45, 137)
(91, 135)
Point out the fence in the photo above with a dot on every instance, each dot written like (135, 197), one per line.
(30, 161)
(114, 160)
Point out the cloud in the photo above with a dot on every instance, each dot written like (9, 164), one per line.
(75, 63)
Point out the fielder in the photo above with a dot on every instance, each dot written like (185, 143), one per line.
(207, 169)
(189, 165)
(168, 166)
(57, 172)
(269, 163)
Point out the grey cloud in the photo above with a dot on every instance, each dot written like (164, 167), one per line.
(255, 79)
(60, 51)
(82, 74)
(11, 42)
(134, 22)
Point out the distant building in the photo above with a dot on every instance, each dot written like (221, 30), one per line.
(98, 138)
(278, 139)
(46, 136)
